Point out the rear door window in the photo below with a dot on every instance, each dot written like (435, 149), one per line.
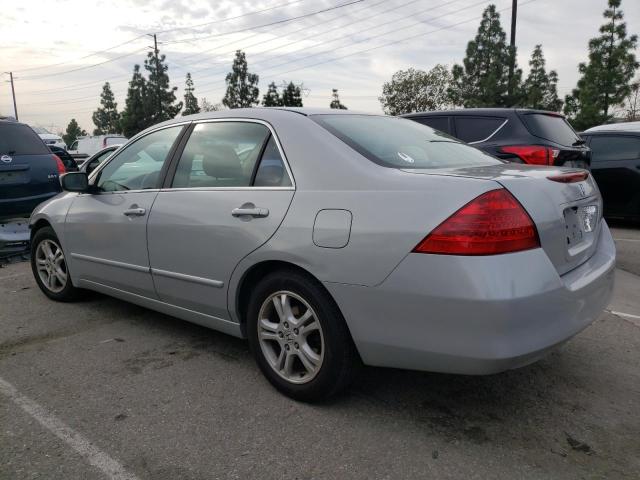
(476, 129)
(439, 123)
(550, 127)
(606, 148)
(19, 139)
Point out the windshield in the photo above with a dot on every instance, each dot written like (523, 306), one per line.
(40, 130)
(401, 143)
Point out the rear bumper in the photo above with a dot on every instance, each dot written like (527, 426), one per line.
(14, 236)
(475, 315)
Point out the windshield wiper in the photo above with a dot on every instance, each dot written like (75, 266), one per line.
(577, 143)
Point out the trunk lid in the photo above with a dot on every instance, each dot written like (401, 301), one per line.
(567, 215)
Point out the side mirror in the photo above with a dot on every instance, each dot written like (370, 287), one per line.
(74, 182)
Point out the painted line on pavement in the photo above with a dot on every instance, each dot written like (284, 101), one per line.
(111, 468)
(635, 319)
(626, 239)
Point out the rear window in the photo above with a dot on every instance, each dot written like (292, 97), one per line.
(477, 129)
(401, 143)
(18, 139)
(115, 141)
(550, 127)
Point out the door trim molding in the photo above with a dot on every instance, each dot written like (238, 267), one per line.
(111, 263)
(188, 278)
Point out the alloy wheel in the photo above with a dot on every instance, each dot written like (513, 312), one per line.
(51, 265)
(291, 337)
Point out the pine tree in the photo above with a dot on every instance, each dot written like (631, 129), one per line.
(242, 86)
(483, 79)
(135, 117)
(73, 132)
(106, 118)
(272, 98)
(160, 96)
(335, 101)
(292, 96)
(540, 89)
(605, 79)
(190, 100)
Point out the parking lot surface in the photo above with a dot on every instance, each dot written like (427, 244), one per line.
(104, 389)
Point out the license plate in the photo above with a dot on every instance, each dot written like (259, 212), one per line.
(9, 178)
(580, 221)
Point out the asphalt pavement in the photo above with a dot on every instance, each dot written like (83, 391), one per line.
(107, 390)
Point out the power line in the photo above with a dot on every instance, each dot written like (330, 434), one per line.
(420, 22)
(190, 27)
(324, 32)
(277, 22)
(81, 58)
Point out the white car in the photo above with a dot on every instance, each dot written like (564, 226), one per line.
(50, 139)
(86, 146)
(618, 127)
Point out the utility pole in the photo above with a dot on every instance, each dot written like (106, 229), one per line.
(155, 49)
(512, 66)
(13, 93)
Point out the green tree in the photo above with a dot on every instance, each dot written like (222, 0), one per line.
(416, 91)
(242, 86)
(190, 100)
(540, 89)
(605, 78)
(272, 98)
(207, 106)
(135, 117)
(335, 101)
(73, 132)
(160, 95)
(292, 96)
(483, 79)
(106, 118)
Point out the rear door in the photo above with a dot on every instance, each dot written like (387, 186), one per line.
(106, 230)
(28, 171)
(230, 191)
(438, 122)
(615, 164)
(477, 129)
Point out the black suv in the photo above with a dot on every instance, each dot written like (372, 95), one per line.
(519, 135)
(615, 164)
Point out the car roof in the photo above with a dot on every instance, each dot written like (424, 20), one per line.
(481, 111)
(615, 127)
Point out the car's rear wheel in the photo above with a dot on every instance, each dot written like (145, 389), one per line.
(299, 338)
(49, 266)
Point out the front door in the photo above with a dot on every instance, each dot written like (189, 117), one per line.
(106, 230)
(230, 192)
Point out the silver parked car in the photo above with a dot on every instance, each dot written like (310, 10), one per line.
(329, 238)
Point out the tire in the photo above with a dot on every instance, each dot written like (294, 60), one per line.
(48, 261)
(318, 362)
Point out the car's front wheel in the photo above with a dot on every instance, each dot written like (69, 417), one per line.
(49, 266)
(299, 338)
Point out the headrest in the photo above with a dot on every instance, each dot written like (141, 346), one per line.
(221, 161)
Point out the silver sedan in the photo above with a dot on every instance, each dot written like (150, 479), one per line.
(331, 239)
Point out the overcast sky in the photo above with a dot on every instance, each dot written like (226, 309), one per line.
(356, 48)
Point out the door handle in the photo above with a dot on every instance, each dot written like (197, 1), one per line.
(250, 211)
(135, 212)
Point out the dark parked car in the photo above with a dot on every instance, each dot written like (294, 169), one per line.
(69, 162)
(518, 135)
(615, 165)
(28, 170)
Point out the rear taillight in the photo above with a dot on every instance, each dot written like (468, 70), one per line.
(533, 154)
(60, 165)
(491, 224)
